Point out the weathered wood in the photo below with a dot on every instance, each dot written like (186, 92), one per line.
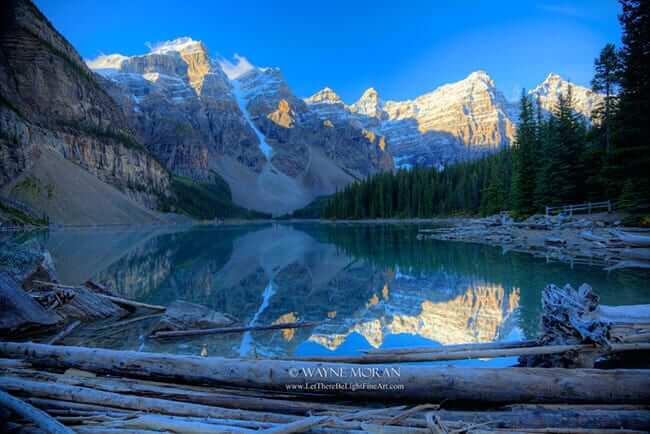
(637, 240)
(19, 311)
(593, 419)
(128, 322)
(181, 315)
(185, 394)
(456, 347)
(151, 405)
(557, 431)
(418, 383)
(298, 426)
(63, 333)
(38, 417)
(118, 300)
(87, 305)
(638, 254)
(625, 315)
(132, 304)
(226, 330)
(373, 358)
(97, 287)
(568, 319)
(175, 425)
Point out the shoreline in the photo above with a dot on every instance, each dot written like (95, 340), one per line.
(584, 239)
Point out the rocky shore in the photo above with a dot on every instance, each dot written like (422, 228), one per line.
(595, 239)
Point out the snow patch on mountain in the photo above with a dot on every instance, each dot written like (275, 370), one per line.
(185, 44)
(240, 97)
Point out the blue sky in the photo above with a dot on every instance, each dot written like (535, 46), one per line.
(402, 49)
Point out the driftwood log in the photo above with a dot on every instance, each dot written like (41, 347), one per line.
(477, 354)
(568, 319)
(69, 328)
(182, 315)
(416, 383)
(227, 330)
(38, 417)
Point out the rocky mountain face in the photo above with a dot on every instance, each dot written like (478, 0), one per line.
(457, 121)
(249, 128)
(547, 94)
(51, 101)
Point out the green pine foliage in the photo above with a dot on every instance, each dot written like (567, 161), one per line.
(205, 201)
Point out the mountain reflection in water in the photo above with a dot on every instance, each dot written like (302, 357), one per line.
(376, 285)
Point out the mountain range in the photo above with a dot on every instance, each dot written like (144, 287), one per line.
(107, 140)
(454, 122)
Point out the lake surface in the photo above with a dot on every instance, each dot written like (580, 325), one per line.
(376, 286)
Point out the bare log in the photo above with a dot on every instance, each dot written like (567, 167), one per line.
(558, 431)
(174, 424)
(526, 419)
(63, 333)
(456, 347)
(150, 405)
(132, 304)
(185, 394)
(118, 300)
(226, 330)
(128, 322)
(298, 426)
(40, 418)
(372, 358)
(622, 315)
(418, 383)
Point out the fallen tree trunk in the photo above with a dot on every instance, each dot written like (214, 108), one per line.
(456, 347)
(472, 354)
(593, 419)
(417, 383)
(117, 300)
(63, 333)
(151, 405)
(174, 393)
(131, 303)
(226, 330)
(40, 418)
(298, 426)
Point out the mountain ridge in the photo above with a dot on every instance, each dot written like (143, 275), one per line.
(243, 123)
(455, 121)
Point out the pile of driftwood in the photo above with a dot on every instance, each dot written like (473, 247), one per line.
(92, 390)
(555, 238)
(64, 389)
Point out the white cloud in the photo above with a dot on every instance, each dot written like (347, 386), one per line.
(106, 61)
(237, 67)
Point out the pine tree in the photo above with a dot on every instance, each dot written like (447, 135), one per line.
(607, 80)
(632, 135)
(525, 156)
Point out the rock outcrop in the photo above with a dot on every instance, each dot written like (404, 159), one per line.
(50, 100)
(250, 129)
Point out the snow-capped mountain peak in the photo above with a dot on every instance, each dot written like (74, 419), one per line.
(369, 104)
(182, 44)
(480, 75)
(548, 92)
(326, 96)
